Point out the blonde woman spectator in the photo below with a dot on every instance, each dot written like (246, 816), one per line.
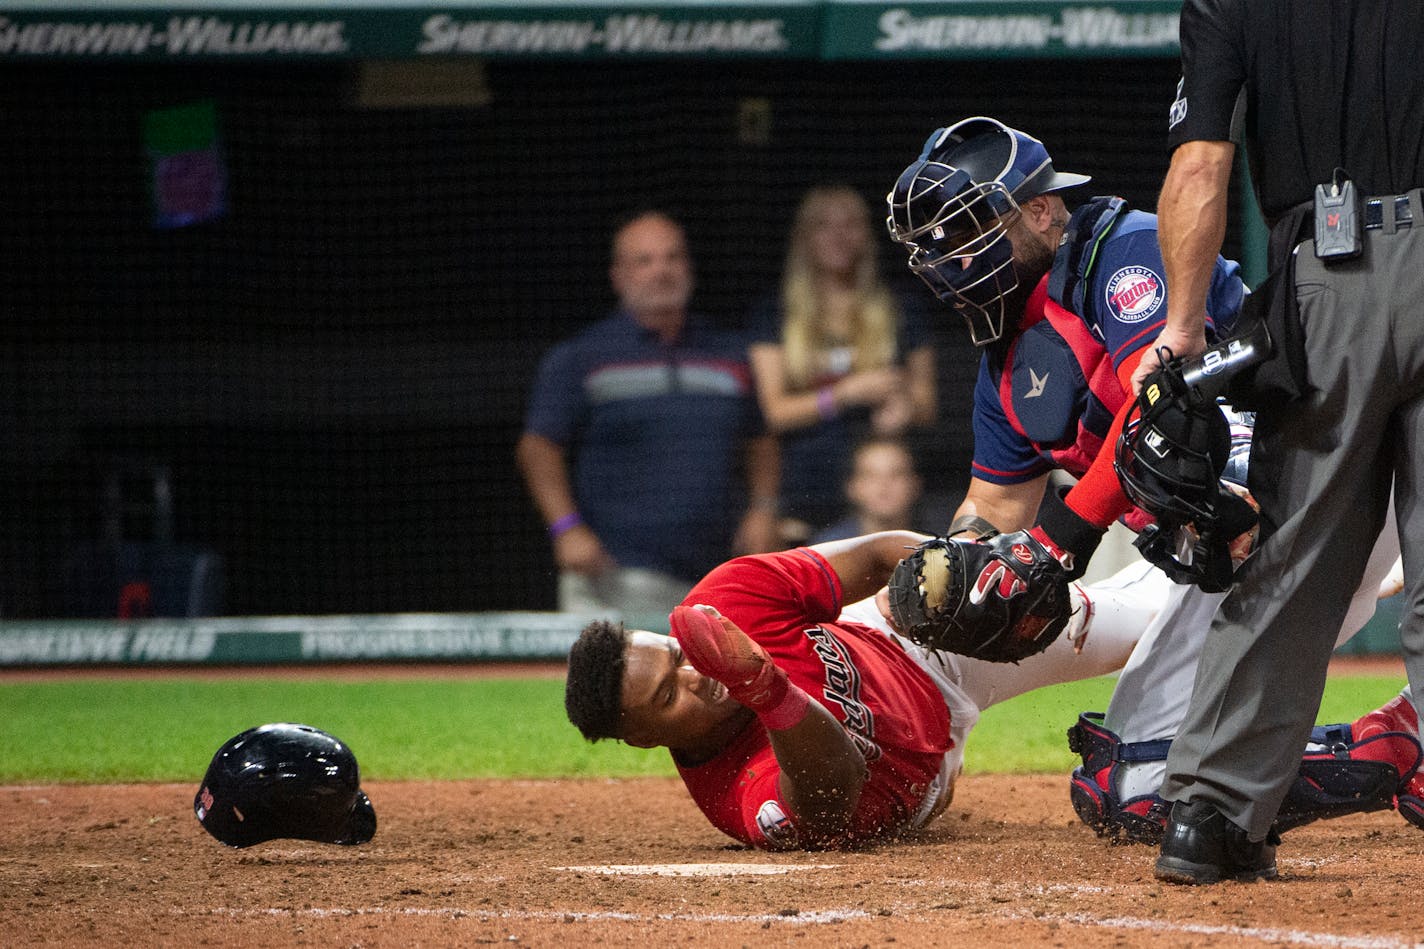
(836, 357)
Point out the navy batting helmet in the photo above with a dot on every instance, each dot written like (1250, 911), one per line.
(952, 209)
(284, 780)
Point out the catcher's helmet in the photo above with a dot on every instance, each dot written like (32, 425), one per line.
(952, 209)
(284, 780)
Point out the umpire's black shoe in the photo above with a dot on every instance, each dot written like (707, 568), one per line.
(1202, 846)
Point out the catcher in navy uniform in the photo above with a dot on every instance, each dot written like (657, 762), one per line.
(1062, 306)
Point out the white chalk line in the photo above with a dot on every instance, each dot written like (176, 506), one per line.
(697, 869)
(822, 917)
(447, 912)
(830, 916)
(1295, 936)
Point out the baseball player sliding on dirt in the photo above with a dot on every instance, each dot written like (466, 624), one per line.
(1062, 307)
(798, 722)
(794, 723)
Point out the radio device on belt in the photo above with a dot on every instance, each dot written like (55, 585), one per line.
(1338, 223)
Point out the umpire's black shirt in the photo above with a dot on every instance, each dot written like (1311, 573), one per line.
(1327, 83)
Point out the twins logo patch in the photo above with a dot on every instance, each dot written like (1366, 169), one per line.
(775, 826)
(1134, 294)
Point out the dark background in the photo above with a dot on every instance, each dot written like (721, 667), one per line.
(335, 371)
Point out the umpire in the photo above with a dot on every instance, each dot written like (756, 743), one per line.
(1332, 98)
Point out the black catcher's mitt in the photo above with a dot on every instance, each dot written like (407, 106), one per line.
(1001, 598)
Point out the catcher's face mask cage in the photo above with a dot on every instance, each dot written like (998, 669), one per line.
(953, 209)
(284, 781)
(957, 233)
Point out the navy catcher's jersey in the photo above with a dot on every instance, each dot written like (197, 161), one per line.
(1047, 399)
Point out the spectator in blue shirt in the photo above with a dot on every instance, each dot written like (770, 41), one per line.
(643, 447)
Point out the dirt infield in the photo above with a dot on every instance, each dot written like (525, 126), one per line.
(546, 863)
(580, 863)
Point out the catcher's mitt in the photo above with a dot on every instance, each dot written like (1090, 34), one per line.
(1001, 598)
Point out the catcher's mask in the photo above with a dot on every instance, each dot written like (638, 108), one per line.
(1174, 459)
(284, 780)
(953, 207)
(1172, 466)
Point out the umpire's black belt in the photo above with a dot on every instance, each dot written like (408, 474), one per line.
(1374, 211)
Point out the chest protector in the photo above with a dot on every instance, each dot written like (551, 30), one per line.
(1057, 384)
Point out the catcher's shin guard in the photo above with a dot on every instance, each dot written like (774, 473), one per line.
(1138, 819)
(1352, 776)
(1396, 725)
(1372, 765)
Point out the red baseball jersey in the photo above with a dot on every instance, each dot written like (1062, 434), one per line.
(789, 603)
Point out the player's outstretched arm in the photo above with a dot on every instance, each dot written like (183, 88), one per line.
(822, 772)
(865, 563)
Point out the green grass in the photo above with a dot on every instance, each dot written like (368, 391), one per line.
(167, 729)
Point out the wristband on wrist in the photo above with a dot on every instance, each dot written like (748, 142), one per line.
(826, 403)
(788, 710)
(565, 524)
(1068, 531)
(972, 524)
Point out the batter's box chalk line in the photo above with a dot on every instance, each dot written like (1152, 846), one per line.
(696, 869)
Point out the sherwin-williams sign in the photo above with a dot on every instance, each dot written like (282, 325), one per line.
(396, 31)
(989, 30)
(806, 29)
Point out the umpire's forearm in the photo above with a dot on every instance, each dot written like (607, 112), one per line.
(1191, 226)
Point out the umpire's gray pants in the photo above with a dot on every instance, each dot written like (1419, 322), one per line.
(1321, 470)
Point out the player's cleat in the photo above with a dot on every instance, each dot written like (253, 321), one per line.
(1202, 846)
(1394, 727)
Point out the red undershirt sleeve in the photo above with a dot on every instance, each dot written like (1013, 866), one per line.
(1098, 496)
